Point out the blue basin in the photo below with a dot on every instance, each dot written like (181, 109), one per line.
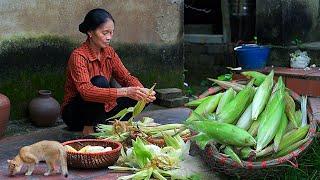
(252, 56)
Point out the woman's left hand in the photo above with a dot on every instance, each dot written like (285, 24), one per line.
(151, 97)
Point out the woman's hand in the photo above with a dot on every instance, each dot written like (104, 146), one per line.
(151, 97)
(137, 93)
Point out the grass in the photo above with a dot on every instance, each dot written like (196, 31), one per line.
(309, 164)
(21, 87)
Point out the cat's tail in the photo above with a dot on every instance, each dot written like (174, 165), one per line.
(63, 162)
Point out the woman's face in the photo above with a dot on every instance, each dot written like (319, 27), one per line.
(102, 36)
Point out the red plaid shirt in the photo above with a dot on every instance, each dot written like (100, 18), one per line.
(83, 65)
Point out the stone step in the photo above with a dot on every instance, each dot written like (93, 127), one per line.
(168, 93)
(173, 102)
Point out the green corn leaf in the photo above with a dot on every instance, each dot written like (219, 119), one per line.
(141, 104)
(143, 155)
(121, 114)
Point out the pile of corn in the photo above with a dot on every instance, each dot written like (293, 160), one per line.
(257, 121)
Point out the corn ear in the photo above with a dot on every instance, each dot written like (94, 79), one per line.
(233, 110)
(196, 102)
(225, 99)
(269, 126)
(226, 85)
(253, 130)
(208, 106)
(262, 95)
(298, 118)
(157, 129)
(245, 120)
(293, 136)
(141, 104)
(290, 126)
(290, 109)
(171, 141)
(171, 132)
(157, 175)
(202, 140)
(229, 151)
(258, 77)
(224, 133)
(281, 130)
(304, 111)
(266, 151)
(247, 153)
(291, 148)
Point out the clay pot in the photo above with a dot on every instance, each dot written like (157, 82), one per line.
(44, 110)
(4, 113)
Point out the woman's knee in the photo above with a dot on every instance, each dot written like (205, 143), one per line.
(100, 81)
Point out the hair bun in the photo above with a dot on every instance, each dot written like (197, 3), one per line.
(83, 28)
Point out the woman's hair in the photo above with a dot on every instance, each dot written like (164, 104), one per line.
(94, 19)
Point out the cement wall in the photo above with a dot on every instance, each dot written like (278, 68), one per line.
(37, 37)
(137, 21)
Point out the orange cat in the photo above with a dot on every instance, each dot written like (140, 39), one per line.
(49, 151)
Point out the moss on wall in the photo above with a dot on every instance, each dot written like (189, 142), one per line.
(29, 63)
(32, 62)
(153, 63)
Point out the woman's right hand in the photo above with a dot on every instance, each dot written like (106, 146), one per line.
(137, 93)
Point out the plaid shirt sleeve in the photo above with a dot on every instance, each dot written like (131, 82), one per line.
(80, 75)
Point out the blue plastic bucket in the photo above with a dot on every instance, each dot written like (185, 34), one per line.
(252, 56)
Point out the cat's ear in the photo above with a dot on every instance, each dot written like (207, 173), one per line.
(8, 161)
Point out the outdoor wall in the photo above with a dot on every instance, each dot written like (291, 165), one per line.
(38, 36)
(281, 22)
(288, 25)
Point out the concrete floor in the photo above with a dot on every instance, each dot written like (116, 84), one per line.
(9, 147)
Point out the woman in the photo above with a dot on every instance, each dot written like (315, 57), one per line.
(89, 96)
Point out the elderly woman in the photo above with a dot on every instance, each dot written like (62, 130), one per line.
(89, 96)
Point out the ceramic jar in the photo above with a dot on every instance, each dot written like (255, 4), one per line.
(4, 113)
(44, 109)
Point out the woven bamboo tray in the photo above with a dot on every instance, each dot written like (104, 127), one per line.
(92, 160)
(219, 163)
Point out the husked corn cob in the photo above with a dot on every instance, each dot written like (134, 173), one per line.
(262, 95)
(233, 110)
(225, 99)
(196, 102)
(293, 136)
(268, 127)
(258, 77)
(208, 106)
(291, 148)
(280, 132)
(229, 151)
(224, 133)
(226, 85)
(245, 120)
(290, 109)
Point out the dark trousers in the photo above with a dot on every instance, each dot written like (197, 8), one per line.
(79, 113)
